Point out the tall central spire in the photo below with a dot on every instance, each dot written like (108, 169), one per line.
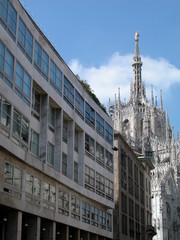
(137, 64)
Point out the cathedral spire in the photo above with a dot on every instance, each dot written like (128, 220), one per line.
(115, 105)
(136, 54)
(119, 99)
(152, 96)
(137, 64)
(161, 101)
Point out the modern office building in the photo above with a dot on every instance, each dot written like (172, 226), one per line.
(56, 157)
(132, 187)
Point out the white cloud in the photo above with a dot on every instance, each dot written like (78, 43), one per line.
(118, 73)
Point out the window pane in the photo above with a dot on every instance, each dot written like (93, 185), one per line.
(2, 52)
(3, 9)
(12, 18)
(50, 154)
(29, 183)
(16, 123)
(17, 178)
(19, 75)
(37, 187)
(64, 164)
(8, 173)
(6, 113)
(35, 143)
(9, 64)
(21, 32)
(25, 130)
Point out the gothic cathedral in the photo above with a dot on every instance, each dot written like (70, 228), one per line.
(146, 128)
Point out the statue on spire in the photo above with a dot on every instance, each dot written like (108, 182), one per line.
(136, 36)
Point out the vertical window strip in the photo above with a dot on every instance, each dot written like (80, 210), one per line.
(76, 172)
(23, 84)
(25, 40)
(64, 164)
(68, 93)
(8, 17)
(99, 125)
(34, 142)
(6, 65)
(90, 115)
(20, 126)
(41, 60)
(50, 154)
(108, 133)
(55, 77)
(5, 113)
(79, 105)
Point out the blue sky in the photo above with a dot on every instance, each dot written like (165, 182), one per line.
(96, 39)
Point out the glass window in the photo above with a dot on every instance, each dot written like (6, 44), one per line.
(68, 92)
(55, 77)
(100, 184)
(85, 212)
(90, 115)
(75, 207)
(2, 56)
(20, 126)
(35, 143)
(52, 116)
(50, 159)
(6, 65)
(89, 178)
(36, 104)
(8, 173)
(8, 17)
(108, 133)
(33, 185)
(49, 193)
(41, 60)
(64, 164)
(65, 131)
(63, 202)
(17, 123)
(9, 64)
(89, 144)
(24, 130)
(25, 40)
(109, 190)
(109, 222)
(23, 83)
(5, 112)
(109, 161)
(76, 140)
(102, 219)
(94, 216)
(79, 105)
(12, 176)
(99, 153)
(76, 172)
(99, 124)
